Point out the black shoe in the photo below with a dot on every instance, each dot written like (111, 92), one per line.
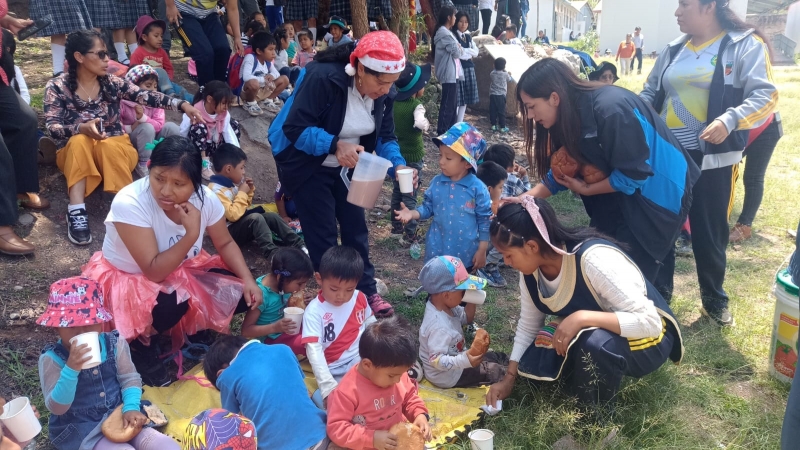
(78, 227)
(723, 317)
(149, 365)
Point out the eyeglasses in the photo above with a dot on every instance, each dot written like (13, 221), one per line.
(102, 54)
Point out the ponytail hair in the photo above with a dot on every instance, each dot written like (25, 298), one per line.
(290, 264)
(217, 90)
(513, 227)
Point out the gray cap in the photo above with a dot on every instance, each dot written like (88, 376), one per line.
(447, 273)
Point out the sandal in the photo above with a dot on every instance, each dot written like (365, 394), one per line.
(380, 307)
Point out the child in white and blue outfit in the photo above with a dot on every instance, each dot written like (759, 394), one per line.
(457, 200)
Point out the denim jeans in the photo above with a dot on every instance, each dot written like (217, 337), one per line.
(169, 87)
(208, 46)
(274, 16)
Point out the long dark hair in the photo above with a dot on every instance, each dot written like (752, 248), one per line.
(540, 81)
(459, 15)
(729, 21)
(177, 151)
(513, 227)
(289, 264)
(217, 90)
(444, 15)
(81, 41)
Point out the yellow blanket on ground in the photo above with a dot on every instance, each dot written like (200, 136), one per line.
(451, 410)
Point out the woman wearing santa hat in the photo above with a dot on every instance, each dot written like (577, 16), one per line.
(342, 106)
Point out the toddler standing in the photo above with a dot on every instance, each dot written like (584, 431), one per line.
(378, 393)
(497, 95)
(409, 125)
(456, 199)
(143, 123)
(79, 400)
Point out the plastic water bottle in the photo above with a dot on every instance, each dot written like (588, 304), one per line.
(415, 251)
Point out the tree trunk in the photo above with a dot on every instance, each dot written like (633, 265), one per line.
(323, 14)
(400, 22)
(360, 20)
(430, 19)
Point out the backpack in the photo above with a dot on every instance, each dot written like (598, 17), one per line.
(234, 70)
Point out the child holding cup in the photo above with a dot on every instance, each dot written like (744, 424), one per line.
(79, 397)
(272, 322)
(8, 438)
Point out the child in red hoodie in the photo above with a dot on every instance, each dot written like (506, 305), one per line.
(378, 393)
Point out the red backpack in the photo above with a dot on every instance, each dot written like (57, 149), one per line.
(234, 70)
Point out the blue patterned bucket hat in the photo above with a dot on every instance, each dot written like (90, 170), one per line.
(465, 140)
(447, 273)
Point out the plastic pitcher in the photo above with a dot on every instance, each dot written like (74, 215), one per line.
(367, 180)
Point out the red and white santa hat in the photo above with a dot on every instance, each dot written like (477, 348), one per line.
(381, 51)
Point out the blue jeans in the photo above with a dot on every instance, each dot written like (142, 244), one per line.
(166, 44)
(208, 46)
(169, 87)
(274, 16)
(524, 22)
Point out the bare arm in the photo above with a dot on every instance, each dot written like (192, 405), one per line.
(539, 191)
(232, 255)
(251, 330)
(142, 245)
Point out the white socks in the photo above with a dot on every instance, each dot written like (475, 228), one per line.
(121, 55)
(58, 54)
(461, 110)
(71, 208)
(132, 48)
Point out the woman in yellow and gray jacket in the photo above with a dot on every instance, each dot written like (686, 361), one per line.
(711, 86)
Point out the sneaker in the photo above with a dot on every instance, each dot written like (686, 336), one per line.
(78, 227)
(271, 105)
(504, 130)
(379, 306)
(740, 233)
(492, 275)
(722, 317)
(494, 127)
(397, 230)
(141, 170)
(207, 171)
(253, 109)
(683, 247)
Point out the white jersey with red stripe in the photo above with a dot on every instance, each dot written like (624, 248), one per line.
(337, 328)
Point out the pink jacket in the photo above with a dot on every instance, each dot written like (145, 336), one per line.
(153, 116)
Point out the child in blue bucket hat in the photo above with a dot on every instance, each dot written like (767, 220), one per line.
(457, 200)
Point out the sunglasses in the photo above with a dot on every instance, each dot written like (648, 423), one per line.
(102, 54)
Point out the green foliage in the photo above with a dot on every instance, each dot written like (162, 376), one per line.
(587, 43)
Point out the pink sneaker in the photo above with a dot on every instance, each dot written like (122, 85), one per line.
(380, 307)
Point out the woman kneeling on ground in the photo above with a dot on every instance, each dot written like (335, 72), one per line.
(609, 320)
(82, 110)
(154, 272)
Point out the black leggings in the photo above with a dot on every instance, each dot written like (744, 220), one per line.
(486, 19)
(168, 312)
(758, 155)
(18, 170)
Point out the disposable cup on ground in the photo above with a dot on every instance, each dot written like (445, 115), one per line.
(406, 179)
(482, 439)
(93, 339)
(18, 417)
(295, 314)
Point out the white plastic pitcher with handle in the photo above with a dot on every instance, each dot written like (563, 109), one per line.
(367, 180)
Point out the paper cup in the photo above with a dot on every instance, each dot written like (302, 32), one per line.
(482, 439)
(296, 316)
(474, 296)
(19, 419)
(406, 179)
(93, 339)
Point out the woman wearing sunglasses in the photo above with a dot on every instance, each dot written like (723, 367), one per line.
(82, 113)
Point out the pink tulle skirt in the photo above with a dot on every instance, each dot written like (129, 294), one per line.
(131, 297)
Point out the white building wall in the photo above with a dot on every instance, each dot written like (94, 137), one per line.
(545, 20)
(656, 17)
(793, 23)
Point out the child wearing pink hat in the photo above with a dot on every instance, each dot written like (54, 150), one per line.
(79, 399)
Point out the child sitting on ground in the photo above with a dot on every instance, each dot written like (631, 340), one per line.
(516, 185)
(494, 177)
(151, 35)
(511, 36)
(289, 273)
(217, 128)
(336, 318)
(143, 123)
(291, 51)
(235, 191)
(265, 383)
(282, 61)
(498, 90)
(285, 205)
(307, 51)
(79, 399)
(445, 358)
(260, 77)
(378, 393)
(215, 429)
(337, 32)
(456, 199)
(409, 125)
(249, 30)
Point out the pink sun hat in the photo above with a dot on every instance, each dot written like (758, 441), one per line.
(74, 302)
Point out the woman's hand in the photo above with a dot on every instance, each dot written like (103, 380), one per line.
(238, 46)
(90, 129)
(134, 419)
(173, 15)
(14, 24)
(500, 390)
(347, 153)
(715, 133)
(575, 185)
(252, 294)
(416, 174)
(194, 114)
(190, 219)
(566, 332)
(78, 356)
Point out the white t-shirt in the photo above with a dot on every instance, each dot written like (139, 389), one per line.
(135, 205)
(441, 345)
(253, 69)
(638, 41)
(337, 328)
(281, 59)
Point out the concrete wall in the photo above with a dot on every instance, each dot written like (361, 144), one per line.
(656, 17)
(545, 19)
(793, 23)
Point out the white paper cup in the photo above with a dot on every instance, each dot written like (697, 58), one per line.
(19, 419)
(296, 316)
(406, 179)
(482, 439)
(474, 296)
(93, 339)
